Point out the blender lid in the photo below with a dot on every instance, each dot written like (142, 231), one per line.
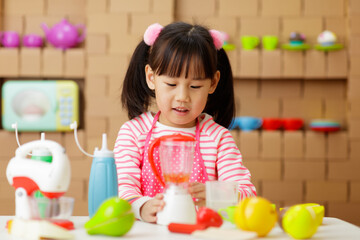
(177, 138)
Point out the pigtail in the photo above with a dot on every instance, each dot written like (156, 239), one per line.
(136, 95)
(221, 104)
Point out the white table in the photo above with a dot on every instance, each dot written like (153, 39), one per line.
(332, 228)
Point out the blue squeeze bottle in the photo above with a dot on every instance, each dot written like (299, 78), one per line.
(103, 177)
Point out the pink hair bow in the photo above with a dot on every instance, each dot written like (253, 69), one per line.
(152, 33)
(218, 38)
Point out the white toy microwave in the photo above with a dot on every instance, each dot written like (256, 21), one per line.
(44, 105)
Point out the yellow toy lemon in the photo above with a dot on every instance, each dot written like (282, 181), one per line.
(255, 214)
(300, 221)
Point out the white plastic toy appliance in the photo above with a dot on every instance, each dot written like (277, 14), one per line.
(27, 175)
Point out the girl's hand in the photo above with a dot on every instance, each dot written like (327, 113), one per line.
(149, 210)
(197, 190)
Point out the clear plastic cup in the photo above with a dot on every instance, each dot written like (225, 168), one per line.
(221, 194)
(57, 208)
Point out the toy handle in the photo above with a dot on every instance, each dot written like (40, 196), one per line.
(185, 228)
(83, 32)
(53, 147)
(152, 146)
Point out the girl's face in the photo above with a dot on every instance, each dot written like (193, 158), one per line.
(181, 100)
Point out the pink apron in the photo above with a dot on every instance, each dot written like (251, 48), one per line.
(150, 186)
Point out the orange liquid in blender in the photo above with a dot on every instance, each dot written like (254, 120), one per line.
(176, 178)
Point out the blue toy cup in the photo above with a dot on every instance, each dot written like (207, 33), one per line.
(246, 123)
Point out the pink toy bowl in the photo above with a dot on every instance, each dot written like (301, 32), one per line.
(10, 39)
(272, 123)
(32, 41)
(293, 124)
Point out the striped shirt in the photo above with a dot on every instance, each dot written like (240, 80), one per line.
(222, 158)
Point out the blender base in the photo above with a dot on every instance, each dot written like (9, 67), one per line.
(179, 207)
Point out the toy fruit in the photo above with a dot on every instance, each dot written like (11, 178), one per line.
(255, 214)
(300, 222)
(208, 217)
(114, 218)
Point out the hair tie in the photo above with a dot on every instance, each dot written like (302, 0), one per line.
(152, 33)
(218, 38)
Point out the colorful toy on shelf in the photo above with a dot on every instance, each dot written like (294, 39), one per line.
(227, 46)
(296, 42)
(102, 173)
(270, 42)
(325, 125)
(113, 218)
(40, 105)
(246, 123)
(249, 42)
(327, 42)
(272, 123)
(10, 39)
(64, 35)
(292, 124)
(32, 41)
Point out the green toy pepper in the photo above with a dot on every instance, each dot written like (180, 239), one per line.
(113, 218)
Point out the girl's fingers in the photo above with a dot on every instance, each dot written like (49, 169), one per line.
(196, 187)
(199, 195)
(200, 203)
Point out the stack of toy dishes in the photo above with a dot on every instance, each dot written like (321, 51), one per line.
(324, 125)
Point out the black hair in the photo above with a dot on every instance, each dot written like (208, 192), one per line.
(177, 45)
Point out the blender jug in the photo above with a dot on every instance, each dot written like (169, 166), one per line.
(176, 154)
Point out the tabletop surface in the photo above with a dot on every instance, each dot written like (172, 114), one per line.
(332, 228)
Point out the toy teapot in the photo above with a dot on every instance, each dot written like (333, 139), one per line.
(64, 35)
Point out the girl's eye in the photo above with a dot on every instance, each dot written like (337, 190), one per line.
(171, 84)
(195, 87)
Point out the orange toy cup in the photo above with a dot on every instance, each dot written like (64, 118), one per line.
(272, 123)
(292, 124)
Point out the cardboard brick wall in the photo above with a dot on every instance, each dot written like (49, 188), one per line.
(286, 167)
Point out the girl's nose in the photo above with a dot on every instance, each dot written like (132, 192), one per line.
(182, 94)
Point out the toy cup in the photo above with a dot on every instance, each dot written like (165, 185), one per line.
(10, 39)
(269, 42)
(292, 124)
(221, 194)
(247, 123)
(32, 41)
(249, 42)
(227, 213)
(272, 123)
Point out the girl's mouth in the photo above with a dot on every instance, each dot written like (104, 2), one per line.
(182, 110)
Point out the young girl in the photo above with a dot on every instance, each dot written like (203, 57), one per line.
(185, 69)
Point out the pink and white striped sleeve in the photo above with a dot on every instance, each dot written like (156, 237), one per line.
(128, 160)
(230, 166)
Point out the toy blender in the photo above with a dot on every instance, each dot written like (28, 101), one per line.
(176, 154)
